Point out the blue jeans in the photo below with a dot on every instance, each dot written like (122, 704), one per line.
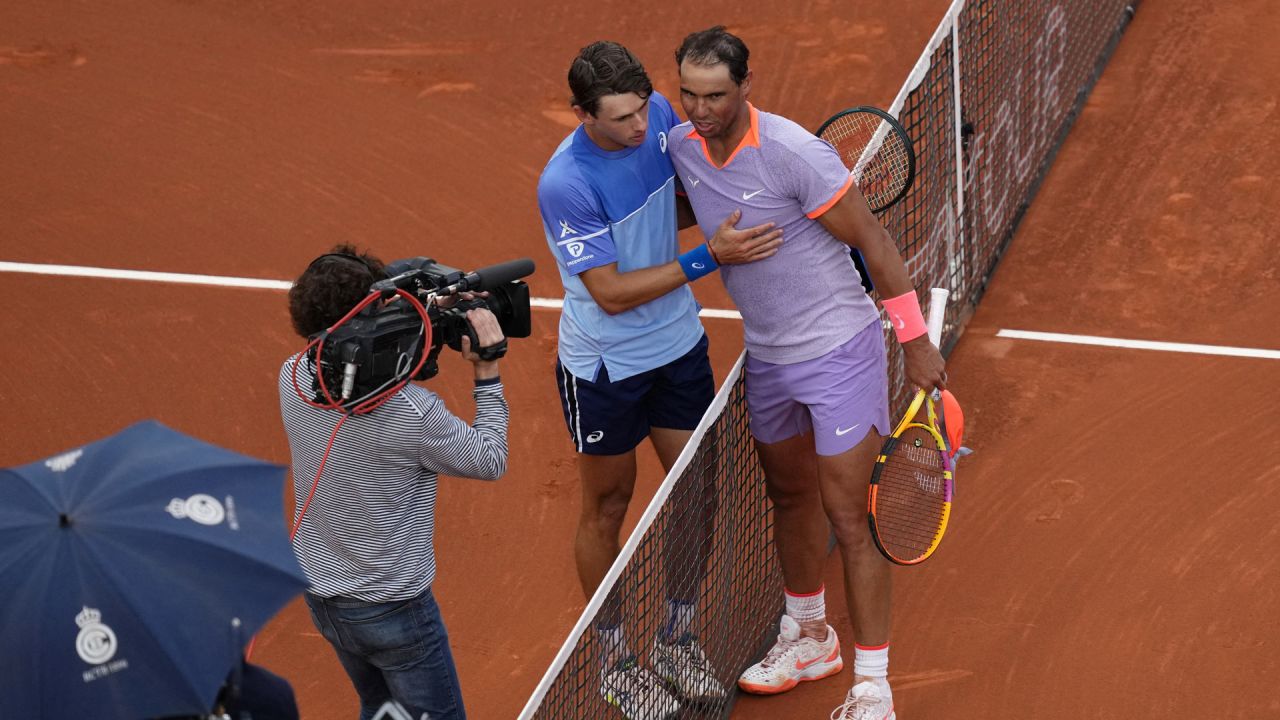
(395, 650)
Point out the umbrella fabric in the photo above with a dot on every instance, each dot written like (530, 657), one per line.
(134, 570)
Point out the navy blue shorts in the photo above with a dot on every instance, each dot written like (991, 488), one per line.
(611, 418)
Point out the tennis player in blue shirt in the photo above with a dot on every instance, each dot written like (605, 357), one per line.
(632, 351)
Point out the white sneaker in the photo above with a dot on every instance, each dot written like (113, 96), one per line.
(866, 701)
(638, 693)
(685, 666)
(792, 660)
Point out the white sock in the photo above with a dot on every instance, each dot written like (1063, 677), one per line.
(613, 643)
(680, 617)
(809, 607)
(872, 662)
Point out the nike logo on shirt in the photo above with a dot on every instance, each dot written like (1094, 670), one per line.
(748, 196)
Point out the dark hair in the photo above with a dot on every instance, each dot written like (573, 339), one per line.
(330, 286)
(606, 68)
(714, 46)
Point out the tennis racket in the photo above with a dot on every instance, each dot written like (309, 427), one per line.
(909, 501)
(877, 151)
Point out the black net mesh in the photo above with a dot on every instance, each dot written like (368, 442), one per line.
(1024, 68)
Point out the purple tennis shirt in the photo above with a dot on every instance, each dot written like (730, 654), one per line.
(807, 299)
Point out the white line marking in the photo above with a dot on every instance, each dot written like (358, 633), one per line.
(145, 275)
(1140, 344)
(221, 281)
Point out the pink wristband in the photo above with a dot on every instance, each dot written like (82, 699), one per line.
(904, 313)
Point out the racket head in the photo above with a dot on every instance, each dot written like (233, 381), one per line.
(950, 422)
(909, 503)
(876, 149)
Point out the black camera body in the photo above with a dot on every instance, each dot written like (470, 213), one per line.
(382, 344)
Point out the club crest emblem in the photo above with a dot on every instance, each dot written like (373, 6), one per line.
(201, 508)
(96, 643)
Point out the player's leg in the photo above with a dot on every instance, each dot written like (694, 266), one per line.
(806, 648)
(782, 430)
(799, 525)
(676, 404)
(606, 422)
(848, 401)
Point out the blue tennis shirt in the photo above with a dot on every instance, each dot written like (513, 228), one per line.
(600, 207)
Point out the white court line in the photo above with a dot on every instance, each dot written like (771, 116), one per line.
(1140, 344)
(221, 281)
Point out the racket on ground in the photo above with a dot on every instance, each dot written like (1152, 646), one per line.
(877, 151)
(909, 502)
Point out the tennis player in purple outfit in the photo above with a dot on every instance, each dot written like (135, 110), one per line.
(816, 377)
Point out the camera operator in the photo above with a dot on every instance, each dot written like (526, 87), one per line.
(365, 540)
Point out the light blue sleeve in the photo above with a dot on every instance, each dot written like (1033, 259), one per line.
(577, 229)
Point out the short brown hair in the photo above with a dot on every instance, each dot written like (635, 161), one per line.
(606, 68)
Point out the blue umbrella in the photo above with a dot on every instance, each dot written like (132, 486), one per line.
(132, 572)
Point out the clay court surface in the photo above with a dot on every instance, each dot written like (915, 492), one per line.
(1113, 546)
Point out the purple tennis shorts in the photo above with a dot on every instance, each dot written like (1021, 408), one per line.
(840, 395)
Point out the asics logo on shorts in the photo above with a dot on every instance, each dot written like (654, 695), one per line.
(595, 437)
(845, 431)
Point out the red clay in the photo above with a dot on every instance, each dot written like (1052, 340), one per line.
(1108, 556)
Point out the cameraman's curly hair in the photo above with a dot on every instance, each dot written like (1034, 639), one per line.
(330, 286)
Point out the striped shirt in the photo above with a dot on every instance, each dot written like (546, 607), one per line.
(369, 531)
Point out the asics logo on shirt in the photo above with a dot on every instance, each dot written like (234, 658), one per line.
(748, 196)
(565, 229)
(662, 142)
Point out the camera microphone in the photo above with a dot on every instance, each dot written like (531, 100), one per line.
(488, 278)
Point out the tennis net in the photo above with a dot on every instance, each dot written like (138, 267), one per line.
(987, 106)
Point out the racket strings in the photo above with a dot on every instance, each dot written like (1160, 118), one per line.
(911, 495)
(877, 155)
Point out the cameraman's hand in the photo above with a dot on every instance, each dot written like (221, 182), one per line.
(731, 246)
(489, 333)
(448, 301)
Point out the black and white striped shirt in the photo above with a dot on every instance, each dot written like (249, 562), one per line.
(369, 531)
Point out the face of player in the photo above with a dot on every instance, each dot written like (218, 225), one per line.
(620, 122)
(713, 102)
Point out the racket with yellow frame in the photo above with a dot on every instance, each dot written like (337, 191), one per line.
(909, 502)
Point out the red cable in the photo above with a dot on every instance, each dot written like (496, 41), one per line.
(363, 408)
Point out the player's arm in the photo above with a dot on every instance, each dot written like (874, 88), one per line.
(617, 292)
(851, 222)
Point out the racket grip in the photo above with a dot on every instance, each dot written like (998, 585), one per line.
(937, 314)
